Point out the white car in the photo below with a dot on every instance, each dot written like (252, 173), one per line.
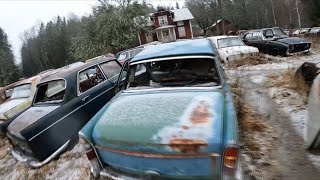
(232, 48)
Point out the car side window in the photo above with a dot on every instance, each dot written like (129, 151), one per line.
(51, 92)
(89, 78)
(111, 69)
(122, 56)
(256, 36)
(248, 36)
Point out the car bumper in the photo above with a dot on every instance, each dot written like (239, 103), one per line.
(21, 156)
(296, 48)
(240, 56)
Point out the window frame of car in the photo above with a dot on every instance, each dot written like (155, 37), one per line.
(218, 67)
(246, 38)
(235, 37)
(256, 36)
(113, 77)
(46, 82)
(20, 86)
(89, 67)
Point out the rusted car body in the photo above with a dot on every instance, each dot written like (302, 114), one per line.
(20, 99)
(63, 103)
(5, 92)
(174, 118)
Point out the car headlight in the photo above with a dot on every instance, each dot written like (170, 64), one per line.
(291, 47)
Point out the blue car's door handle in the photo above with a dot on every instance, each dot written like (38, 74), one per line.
(85, 98)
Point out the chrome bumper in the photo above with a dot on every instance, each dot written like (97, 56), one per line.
(19, 156)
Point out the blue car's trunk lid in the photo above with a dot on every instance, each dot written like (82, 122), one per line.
(170, 133)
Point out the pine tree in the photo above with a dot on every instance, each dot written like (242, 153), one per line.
(9, 72)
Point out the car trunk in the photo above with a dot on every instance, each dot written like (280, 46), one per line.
(170, 133)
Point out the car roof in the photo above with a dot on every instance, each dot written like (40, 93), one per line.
(72, 69)
(180, 48)
(222, 37)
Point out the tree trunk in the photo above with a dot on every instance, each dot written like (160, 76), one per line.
(298, 13)
(274, 16)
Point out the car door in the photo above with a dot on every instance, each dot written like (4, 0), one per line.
(247, 39)
(94, 90)
(257, 41)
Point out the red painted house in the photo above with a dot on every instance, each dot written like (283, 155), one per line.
(168, 25)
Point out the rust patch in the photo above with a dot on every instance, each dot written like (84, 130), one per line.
(187, 145)
(200, 114)
(185, 127)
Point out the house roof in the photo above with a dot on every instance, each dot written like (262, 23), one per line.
(182, 14)
(180, 48)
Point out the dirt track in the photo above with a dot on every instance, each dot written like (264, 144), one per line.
(289, 157)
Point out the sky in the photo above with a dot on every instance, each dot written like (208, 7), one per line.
(17, 16)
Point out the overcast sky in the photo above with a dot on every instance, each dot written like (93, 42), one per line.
(16, 16)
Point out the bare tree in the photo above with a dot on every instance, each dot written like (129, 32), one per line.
(298, 13)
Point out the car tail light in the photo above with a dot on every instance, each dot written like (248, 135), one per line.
(230, 157)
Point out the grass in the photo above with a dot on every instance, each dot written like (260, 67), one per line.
(315, 42)
(290, 80)
(248, 61)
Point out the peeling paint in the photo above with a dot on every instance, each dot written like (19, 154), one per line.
(194, 128)
(187, 145)
(200, 114)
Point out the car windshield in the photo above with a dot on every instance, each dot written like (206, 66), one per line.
(51, 92)
(23, 91)
(277, 32)
(229, 42)
(173, 73)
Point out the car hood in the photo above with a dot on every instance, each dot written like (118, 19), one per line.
(235, 50)
(291, 40)
(29, 117)
(162, 122)
(4, 107)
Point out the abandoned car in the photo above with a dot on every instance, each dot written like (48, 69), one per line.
(275, 42)
(232, 48)
(124, 55)
(20, 99)
(63, 104)
(5, 92)
(174, 114)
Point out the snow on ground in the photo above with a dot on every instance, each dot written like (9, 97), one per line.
(293, 104)
(72, 165)
(278, 63)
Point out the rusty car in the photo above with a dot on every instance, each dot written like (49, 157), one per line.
(63, 103)
(5, 92)
(174, 114)
(274, 41)
(20, 99)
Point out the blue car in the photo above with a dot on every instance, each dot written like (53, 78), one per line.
(173, 118)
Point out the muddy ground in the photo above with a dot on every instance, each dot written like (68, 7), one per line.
(272, 126)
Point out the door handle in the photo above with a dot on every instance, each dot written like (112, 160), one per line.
(85, 98)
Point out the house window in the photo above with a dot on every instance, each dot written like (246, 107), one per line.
(163, 20)
(182, 31)
(180, 23)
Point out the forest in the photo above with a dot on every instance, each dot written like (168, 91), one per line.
(113, 25)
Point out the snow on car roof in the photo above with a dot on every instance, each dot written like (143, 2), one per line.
(179, 48)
